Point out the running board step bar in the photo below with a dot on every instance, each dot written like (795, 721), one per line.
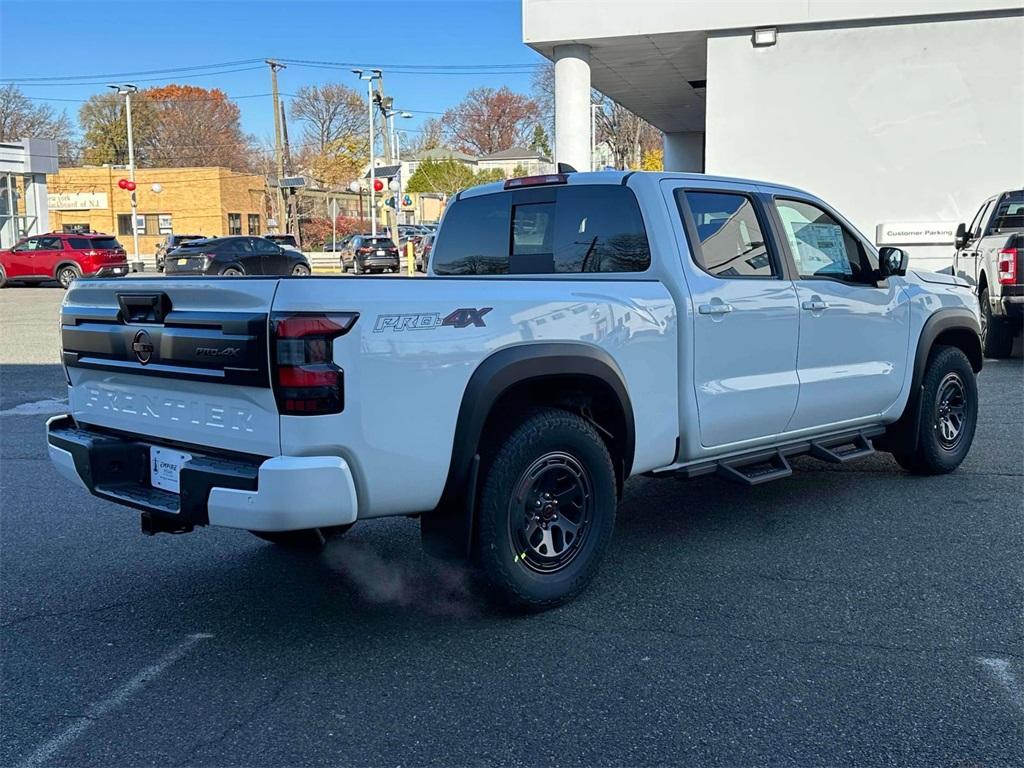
(840, 450)
(766, 464)
(756, 470)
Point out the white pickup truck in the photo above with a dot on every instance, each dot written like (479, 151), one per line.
(575, 329)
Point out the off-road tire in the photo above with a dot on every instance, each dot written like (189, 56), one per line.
(931, 456)
(67, 274)
(996, 332)
(309, 538)
(542, 432)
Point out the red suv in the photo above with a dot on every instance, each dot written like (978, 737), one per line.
(63, 256)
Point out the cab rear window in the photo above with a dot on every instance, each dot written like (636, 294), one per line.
(570, 229)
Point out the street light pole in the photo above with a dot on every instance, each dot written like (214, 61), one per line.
(126, 90)
(374, 74)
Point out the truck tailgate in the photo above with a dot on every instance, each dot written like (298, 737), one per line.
(179, 360)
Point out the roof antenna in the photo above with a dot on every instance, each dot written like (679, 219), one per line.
(566, 168)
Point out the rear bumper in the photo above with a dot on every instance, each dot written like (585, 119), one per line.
(112, 270)
(283, 493)
(1012, 302)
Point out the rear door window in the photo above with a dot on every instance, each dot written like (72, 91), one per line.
(572, 229)
(729, 238)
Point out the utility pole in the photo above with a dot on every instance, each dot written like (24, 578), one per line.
(278, 142)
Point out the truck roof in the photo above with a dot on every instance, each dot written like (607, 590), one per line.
(619, 177)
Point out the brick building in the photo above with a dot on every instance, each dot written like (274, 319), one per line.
(203, 201)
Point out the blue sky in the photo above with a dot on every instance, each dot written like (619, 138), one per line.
(59, 39)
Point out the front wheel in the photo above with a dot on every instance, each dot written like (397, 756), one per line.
(547, 510)
(300, 270)
(949, 414)
(67, 274)
(3, 277)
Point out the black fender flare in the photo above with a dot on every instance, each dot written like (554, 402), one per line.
(903, 433)
(493, 377)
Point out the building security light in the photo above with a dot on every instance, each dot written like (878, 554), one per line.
(765, 37)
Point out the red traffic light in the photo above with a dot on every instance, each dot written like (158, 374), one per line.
(122, 183)
(378, 185)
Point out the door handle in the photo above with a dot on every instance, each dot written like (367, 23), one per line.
(717, 308)
(815, 305)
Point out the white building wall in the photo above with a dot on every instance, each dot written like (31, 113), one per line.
(889, 122)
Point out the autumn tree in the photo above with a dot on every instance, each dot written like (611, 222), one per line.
(20, 118)
(105, 130)
(196, 126)
(335, 143)
(490, 120)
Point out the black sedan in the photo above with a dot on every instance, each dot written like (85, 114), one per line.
(234, 256)
(366, 253)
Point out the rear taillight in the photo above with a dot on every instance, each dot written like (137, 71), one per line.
(90, 254)
(1007, 266)
(362, 250)
(306, 380)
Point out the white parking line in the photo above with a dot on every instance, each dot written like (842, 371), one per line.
(111, 702)
(36, 408)
(1000, 669)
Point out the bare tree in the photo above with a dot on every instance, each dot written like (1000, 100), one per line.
(20, 118)
(335, 142)
(429, 136)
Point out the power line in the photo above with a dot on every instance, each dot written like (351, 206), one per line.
(171, 70)
(137, 79)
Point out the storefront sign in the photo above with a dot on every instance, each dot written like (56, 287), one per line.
(915, 233)
(77, 201)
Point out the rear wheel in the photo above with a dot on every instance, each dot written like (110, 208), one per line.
(67, 274)
(996, 333)
(949, 414)
(300, 270)
(547, 510)
(232, 272)
(308, 538)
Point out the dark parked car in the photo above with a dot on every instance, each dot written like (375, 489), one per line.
(366, 253)
(169, 244)
(233, 256)
(63, 256)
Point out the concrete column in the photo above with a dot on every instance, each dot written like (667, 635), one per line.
(572, 105)
(36, 203)
(684, 151)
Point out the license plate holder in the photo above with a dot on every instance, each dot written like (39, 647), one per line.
(165, 468)
(380, 253)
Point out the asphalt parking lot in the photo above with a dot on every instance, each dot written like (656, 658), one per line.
(845, 616)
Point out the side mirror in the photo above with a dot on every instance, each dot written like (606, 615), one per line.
(961, 235)
(892, 261)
